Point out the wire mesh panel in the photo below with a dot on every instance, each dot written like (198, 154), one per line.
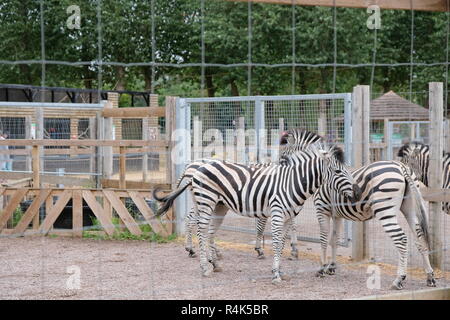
(247, 130)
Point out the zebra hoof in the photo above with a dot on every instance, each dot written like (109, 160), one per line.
(219, 256)
(192, 254)
(294, 255)
(276, 281)
(320, 273)
(398, 283)
(217, 269)
(261, 256)
(331, 269)
(431, 282)
(206, 274)
(285, 277)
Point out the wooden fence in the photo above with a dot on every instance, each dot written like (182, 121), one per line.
(103, 201)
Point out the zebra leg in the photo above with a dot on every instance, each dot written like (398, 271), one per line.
(286, 228)
(277, 226)
(408, 210)
(324, 225)
(293, 232)
(215, 224)
(190, 222)
(337, 223)
(390, 224)
(260, 226)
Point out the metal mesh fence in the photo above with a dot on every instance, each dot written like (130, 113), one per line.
(215, 125)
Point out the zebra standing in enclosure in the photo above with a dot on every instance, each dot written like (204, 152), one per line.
(290, 142)
(417, 156)
(278, 191)
(388, 188)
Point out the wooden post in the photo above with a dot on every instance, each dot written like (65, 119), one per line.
(100, 131)
(36, 166)
(360, 141)
(122, 168)
(108, 151)
(92, 135)
(436, 102)
(145, 136)
(77, 213)
(28, 121)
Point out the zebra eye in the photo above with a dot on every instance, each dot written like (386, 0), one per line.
(338, 171)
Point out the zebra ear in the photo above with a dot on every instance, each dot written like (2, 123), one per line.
(324, 154)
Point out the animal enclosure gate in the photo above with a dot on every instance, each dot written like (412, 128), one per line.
(247, 130)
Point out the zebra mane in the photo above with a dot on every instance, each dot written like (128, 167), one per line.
(403, 151)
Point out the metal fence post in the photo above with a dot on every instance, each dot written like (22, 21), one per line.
(360, 141)
(259, 129)
(436, 96)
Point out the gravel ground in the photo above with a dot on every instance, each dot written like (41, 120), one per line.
(42, 267)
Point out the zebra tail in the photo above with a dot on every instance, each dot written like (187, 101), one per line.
(167, 201)
(421, 213)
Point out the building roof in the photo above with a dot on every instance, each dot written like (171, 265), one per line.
(393, 107)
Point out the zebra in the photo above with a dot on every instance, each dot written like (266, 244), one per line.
(290, 142)
(277, 190)
(417, 156)
(388, 187)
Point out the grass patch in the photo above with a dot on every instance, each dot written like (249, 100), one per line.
(95, 232)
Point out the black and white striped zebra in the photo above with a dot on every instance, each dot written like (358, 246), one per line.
(417, 156)
(388, 188)
(278, 191)
(290, 142)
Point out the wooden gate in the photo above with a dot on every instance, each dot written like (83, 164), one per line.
(100, 201)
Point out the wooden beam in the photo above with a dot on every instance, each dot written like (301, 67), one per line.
(361, 156)
(122, 212)
(134, 112)
(122, 168)
(141, 204)
(420, 5)
(55, 211)
(99, 212)
(13, 203)
(32, 211)
(436, 103)
(90, 142)
(77, 213)
(114, 184)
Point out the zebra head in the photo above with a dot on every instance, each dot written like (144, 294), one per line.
(295, 140)
(416, 155)
(337, 173)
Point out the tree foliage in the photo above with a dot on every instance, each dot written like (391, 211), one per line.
(279, 35)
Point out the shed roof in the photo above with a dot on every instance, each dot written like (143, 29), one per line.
(392, 106)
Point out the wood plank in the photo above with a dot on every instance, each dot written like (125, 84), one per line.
(13, 203)
(77, 213)
(420, 5)
(123, 213)
(114, 184)
(32, 211)
(436, 194)
(105, 219)
(122, 168)
(134, 112)
(141, 204)
(87, 142)
(436, 109)
(55, 211)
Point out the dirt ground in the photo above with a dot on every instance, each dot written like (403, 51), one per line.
(44, 267)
